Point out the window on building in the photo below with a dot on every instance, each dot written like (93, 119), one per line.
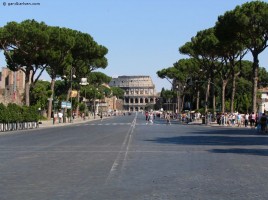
(7, 81)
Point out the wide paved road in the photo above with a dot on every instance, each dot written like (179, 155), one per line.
(123, 158)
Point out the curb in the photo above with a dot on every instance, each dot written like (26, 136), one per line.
(49, 123)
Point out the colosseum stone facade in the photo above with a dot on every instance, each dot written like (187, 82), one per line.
(139, 91)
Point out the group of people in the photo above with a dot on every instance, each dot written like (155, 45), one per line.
(248, 120)
(231, 119)
(58, 116)
(150, 116)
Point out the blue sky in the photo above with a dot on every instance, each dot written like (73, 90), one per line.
(142, 36)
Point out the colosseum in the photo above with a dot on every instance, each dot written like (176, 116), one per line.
(139, 91)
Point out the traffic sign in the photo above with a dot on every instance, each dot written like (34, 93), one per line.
(63, 104)
(68, 105)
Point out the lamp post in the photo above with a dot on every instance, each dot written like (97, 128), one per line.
(71, 93)
(178, 100)
(39, 110)
(95, 102)
(84, 82)
(72, 76)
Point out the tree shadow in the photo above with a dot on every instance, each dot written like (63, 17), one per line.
(229, 131)
(258, 152)
(212, 140)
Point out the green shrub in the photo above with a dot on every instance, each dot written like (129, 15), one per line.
(3, 113)
(14, 113)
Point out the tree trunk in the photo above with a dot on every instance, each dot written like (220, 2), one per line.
(178, 102)
(224, 83)
(77, 108)
(197, 100)
(182, 102)
(207, 95)
(49, 110)
(233, 89)
(213, 87)
(27, 88)
(233, 93)
(255, 82)
(68, 99)
(214, 104)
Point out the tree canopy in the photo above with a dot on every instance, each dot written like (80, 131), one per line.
(219, 51)
(33, 47)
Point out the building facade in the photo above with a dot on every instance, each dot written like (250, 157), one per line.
(262, 104)
(107, 105)
(12, 85)
(139, 91)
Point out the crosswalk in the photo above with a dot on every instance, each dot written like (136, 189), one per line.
(123, 124)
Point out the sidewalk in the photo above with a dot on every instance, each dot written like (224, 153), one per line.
(214, 124)
(79, 120)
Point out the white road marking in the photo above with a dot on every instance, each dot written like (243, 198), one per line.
(123, 152)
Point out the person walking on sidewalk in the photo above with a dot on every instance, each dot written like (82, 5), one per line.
(83, 116)
(239, 119)
(147, 117)
(246, 119)
(60, 115)
(263, 122)
(168, 119)
(151, 118)
(252, 118)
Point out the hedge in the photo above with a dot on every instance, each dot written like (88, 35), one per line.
(12, 113)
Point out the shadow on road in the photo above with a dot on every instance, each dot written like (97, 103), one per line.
(227, 137)
(257, 152)
(212, 140)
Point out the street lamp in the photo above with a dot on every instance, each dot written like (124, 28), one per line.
(95, 102)
(71, 88)
(72, 76)
(84, 82)
(39, 110)
(178, 99)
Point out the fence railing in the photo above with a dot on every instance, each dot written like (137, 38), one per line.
(14, 126)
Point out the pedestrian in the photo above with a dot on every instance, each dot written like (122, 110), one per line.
(252, 118)
(55, 115)
(233, 119)
(263, 122)
(146, 117)
(83, 116)
(239, 119)
(168, 119)
(151, 117)
(73, 115)
(60, 115)
(246, 119)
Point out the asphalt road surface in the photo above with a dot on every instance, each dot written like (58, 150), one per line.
(123, 158)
